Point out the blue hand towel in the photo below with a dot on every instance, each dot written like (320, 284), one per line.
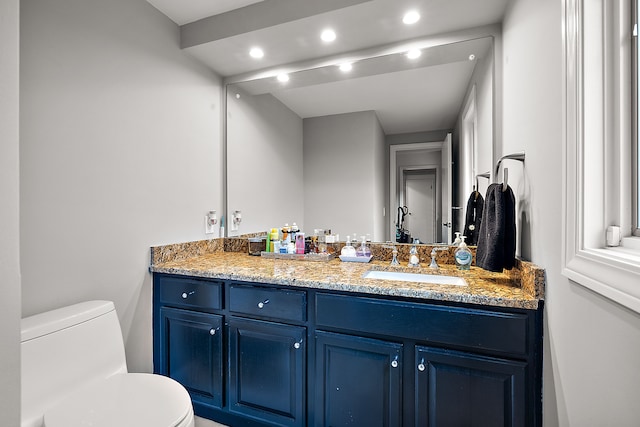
(497, 239)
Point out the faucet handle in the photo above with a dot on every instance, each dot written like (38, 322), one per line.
(433, 263)
(434, 254)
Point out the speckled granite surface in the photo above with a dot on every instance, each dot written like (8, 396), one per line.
(522, 287)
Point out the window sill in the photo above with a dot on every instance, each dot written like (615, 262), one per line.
(632, 243)
(613, 273)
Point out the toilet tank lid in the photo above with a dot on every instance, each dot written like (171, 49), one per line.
(55, 320)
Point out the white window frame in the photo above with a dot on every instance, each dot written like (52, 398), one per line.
(596, 185)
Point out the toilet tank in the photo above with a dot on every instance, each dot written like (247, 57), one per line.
(64, 349)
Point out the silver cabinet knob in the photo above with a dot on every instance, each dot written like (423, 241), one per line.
(296, 345)
(394, 362)
(261, 304)
(212, 331)
(185, 295)
(421, 367)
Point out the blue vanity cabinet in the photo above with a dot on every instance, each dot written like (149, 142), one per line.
(267, 353)
(189, 336)
(259, 355)
(191, 350)
(459, 365)
(465, 389)
(358, 381)
(267, 371)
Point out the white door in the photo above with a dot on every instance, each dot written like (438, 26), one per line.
(420, 199)
(447, 211)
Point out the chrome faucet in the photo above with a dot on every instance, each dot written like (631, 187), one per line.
(394, 252)
(414, 259)
(434, 253)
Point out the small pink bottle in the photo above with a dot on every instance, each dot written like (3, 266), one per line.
(300, 243)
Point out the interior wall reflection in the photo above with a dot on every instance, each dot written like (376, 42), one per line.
(286, 164)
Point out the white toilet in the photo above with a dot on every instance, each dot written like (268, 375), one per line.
(74, 373)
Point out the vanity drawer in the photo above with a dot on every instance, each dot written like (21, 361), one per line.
(266, 302)
(468, 328)
(190, 292)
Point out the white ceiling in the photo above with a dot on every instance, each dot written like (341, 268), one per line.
(220, 33)
(424, 106)
(185, 11)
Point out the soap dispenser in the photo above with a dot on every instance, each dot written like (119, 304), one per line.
(348, 250)
(363, 250)
(463, 256)
(414, 260)
(458, 240)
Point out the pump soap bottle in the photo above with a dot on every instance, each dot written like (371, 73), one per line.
(463, 256)
(348, 250)
(363, 250)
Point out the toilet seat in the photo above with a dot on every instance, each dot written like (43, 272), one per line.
(140, 400)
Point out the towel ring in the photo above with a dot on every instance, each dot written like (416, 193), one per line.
(505, 179)
(481, 175)
(515, 156)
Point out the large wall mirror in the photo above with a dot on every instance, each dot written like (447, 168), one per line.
(343, 143)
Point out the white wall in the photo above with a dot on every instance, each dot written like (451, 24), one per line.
(481, 84)
(264, 162)
(343, 174)
(592, 345)
(9, 216)
(120, 150)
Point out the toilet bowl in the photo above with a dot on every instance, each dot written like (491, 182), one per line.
(74, 374)
(124, 400)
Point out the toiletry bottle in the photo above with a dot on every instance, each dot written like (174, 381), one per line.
(458, 239)
(268, 245)
(313, 245)
(463, 256)
(348, 250)
(300, 243)
(363, 249)
(322, 241)
(274, 237)
(414, 259)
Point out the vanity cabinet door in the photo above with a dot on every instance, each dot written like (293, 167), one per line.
(358, 381)
(267, 371)
(463, 389)
(192, 353)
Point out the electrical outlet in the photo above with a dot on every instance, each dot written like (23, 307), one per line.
(236, 219)
(210, 221)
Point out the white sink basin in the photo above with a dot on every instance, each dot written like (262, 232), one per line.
(433, 279)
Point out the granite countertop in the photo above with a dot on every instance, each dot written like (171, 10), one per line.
(522, 287)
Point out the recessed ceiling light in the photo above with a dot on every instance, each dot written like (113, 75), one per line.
(345, 67)
(411, 17)
(328, 35)
(283, 77)
(472, 57)
(414, 53)
(256, 52)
